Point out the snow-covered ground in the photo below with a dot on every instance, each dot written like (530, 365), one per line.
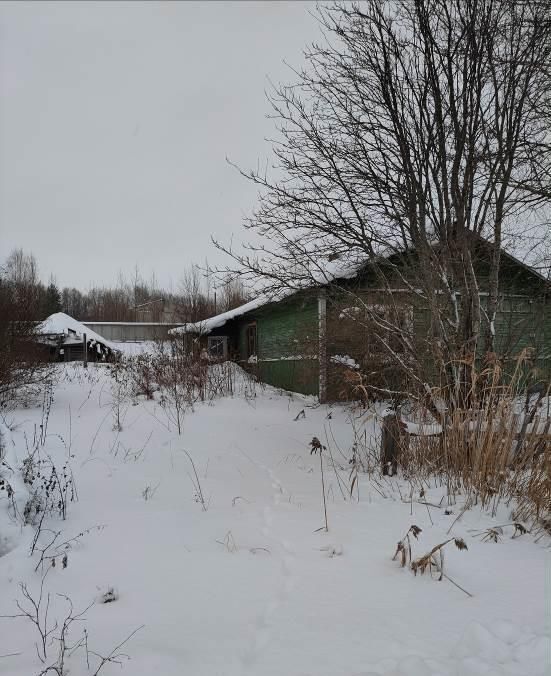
(134, 349)
(251, 585)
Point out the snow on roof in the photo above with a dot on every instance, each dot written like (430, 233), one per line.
(207, 325)
(331, 271)
(349, 267)
(339, 268)
(87, 323)
(59, 323)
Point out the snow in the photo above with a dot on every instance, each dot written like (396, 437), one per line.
(251, 585)
(59, 323)
(423, 429)
(207, 325)
(91, 323)
(345, 360)
(350, 312)
(12, 457)
(290, 357)
(340, 268)
(134, 349)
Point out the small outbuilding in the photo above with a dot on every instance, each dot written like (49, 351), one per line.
(66, 339)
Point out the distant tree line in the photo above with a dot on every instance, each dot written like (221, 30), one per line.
(134, 299)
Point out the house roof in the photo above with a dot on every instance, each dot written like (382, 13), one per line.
(332, 271)
(59, 323)
(207, 325)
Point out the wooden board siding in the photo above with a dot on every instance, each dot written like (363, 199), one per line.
(351, 339)
(287, 344)
(293, 375)
(523, 324)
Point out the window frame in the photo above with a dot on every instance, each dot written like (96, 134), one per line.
(211, 341)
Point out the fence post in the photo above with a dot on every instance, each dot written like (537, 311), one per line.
(392, 438)
(84, 351)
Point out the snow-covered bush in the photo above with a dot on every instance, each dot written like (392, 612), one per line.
(31, 481)
(50, 489)
(142, 375)
(180, 378)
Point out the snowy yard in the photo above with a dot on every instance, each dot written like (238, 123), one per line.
(250, 584)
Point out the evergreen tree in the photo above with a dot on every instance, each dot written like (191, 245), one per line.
(52, 299)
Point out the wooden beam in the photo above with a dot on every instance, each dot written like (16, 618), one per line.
(322, 345)
(84, 351)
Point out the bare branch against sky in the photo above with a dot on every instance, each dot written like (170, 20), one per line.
(116, 120)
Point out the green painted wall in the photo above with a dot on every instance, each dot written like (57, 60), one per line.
(293, 375)
(524, 325)
(287, 344)
(523, 321)
(289, 329)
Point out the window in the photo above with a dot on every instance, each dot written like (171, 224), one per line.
(393, 323)
(217, 347)
(375, 328)
(251, 340)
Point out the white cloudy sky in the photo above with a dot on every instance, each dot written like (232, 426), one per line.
(115, 122)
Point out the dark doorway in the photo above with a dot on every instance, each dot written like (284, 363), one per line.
(251, 340)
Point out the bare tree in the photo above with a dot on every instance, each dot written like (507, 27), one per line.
(417, 126)
(194, 302)
(232, 293)
(22, 361)
(21, 269)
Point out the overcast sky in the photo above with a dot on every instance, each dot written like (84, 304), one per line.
(115, 122)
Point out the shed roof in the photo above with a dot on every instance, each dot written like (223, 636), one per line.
(59, 323)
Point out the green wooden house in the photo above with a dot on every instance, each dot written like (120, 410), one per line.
(311, 342)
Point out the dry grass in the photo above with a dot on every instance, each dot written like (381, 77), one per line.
(403, 548)
(432, 561)
(498, 450)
